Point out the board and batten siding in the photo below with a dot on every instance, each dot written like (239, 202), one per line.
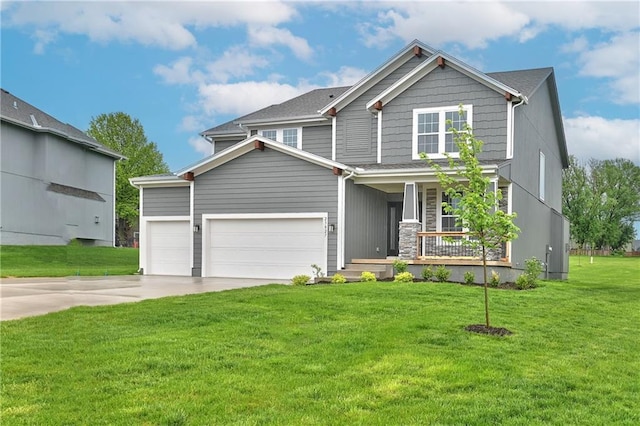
(317, 140)
(365, 222)
(266, 182)
(444, 88)
(361, 147)
(172, 201)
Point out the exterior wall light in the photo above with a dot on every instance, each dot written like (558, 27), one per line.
(96, 219)
(332, 228)
(196, 228)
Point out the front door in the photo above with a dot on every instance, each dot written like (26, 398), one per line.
(394, 216)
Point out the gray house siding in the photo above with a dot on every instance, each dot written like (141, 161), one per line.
(535, 132)
(361, 147)
(317, 140)
(224, 144)
(443, 88)
(365, 222)
(166, 201)
(266, 182)
(34, 214)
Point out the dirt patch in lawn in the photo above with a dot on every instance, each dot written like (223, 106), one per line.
(483, 329)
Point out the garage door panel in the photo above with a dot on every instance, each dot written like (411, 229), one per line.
(169, 248)
(265, 247)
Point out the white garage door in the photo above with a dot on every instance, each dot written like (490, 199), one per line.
(265, 246)
(168, 248)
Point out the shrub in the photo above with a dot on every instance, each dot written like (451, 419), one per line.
(442, 274)
(338, 279)
(494, 281)
(427, 273)
(367, 277)
(403, 277)
(469, 277)
(300, 280)
(400, 266)
(529, 278)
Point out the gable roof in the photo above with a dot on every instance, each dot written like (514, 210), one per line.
(16, 111)
(431, 64)
(248, 145)
(303, 107)
(377, 75)
(525, 81)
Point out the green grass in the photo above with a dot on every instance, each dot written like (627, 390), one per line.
(63, 261)
(367, 353)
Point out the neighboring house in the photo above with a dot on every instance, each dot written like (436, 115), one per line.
(333, 177)
(57, 183)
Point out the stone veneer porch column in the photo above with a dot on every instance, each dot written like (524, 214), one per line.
(410, 225)
(408, 245)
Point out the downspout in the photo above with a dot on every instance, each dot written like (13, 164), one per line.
(342, 221)
(247, 131)
(523, 100)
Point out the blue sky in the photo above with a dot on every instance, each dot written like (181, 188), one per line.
(181, 68)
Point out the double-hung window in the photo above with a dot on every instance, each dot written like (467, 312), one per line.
(432, 132)
(448, 223)
(291, 137)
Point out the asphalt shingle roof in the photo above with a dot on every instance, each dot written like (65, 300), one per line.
(308, 104)
(14, 109)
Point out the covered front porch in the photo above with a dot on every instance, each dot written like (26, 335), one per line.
(419, 230)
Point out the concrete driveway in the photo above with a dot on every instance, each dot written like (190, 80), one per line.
(24, 297)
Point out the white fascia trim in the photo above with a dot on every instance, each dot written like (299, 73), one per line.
(192, 191)
(158, 182)
(285, 121)
(376, 76)
(144, 221)
(333, 138)
(246, 146)
(509, 130)
(379, 156)
(340, 220)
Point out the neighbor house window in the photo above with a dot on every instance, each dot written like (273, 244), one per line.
(448, 220)
(541, 183)
(432, 130)
(291, 137)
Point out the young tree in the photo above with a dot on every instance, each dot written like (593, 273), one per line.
(477, 208)
(126, 135)
(580, 204)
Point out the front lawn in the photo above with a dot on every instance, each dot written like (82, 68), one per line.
(363, 353)
(64, 261)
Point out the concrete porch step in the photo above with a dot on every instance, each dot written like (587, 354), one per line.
(354, 270)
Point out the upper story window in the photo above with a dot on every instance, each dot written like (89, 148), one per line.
(291, 137)
(432, 133)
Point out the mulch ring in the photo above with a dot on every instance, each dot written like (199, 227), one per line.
(483, 329)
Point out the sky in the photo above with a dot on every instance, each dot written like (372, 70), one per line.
(183, 67)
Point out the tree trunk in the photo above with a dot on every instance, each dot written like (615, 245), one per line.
(486, 285)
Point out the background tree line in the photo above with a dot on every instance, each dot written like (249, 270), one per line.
(602, 200)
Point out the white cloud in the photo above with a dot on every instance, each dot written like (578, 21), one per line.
(165, 24)
(42, 38)
(199, 144)
(597, 137)
(618, 60)
(578, 45)
(237, 61)
(470, 23)
(262, 35)
(179, 72)
(246, 96)
(345, 76)
(191, 123)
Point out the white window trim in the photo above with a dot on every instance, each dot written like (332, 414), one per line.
(280, 134)
(541, 176)
(442, 129)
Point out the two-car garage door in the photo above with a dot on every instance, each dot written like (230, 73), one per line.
(263, 245)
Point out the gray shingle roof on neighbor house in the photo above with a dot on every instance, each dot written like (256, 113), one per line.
(17, 111)
(308, 104)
